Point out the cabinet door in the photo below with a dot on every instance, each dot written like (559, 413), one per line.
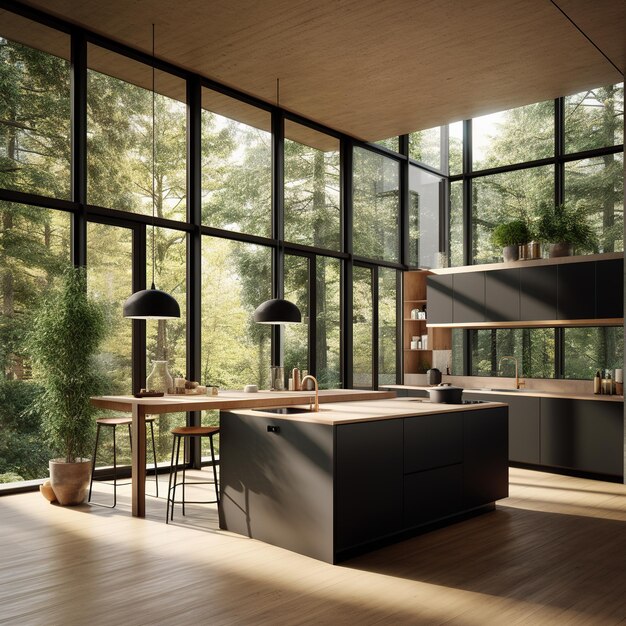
(432, 441)
(469, 297)
(585, 435)
(369, 481)
(439, 299)
(278, 486)
(576, 291)
(502, 296)
(432, 494)
(538, 293)
(610, 288)
(524, 426)
(486, 467)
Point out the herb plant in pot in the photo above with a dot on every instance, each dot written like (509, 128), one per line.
(566, 227)
(509, 236)
(67, 329)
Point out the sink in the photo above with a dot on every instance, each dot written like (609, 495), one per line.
(284, 410)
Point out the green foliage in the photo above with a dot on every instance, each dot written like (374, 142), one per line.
(513, 233)
(566, 223)
(67, 329)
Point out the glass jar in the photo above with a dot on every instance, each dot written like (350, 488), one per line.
(159, 378)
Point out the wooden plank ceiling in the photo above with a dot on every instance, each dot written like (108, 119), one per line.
(369, 68)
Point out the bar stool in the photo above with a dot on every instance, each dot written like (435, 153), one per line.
(114, 422)
(186, 433)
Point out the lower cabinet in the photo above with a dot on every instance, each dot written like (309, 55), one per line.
(584, 435)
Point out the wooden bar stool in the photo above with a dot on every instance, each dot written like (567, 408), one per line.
(114, 422)
(186, 433)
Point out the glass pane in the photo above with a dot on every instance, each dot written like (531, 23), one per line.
(236, 165)
(297, 335)
(533, 348)
(328, 292)
(456, 224)
(119, 137)
(425, 146)
(587, 350)
(376, 205)
(424, 205)
(387, 326)
(502, 198)
(391, 143)
(236, 278)
(109, 278)
(456, 365)
(35, 248)
(362, 328)
(312, 210)
(594, 118)
(455, 148)
(34, 108)
(514, 136)
(597, 185)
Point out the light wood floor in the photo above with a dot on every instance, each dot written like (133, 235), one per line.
(552, 553)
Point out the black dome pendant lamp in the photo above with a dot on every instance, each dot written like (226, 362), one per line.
(277, 310)
(152, 304)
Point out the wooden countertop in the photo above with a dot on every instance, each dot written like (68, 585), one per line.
(233, 400)
(353, 412)
(522, 392)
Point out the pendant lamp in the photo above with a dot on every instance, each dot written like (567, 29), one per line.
(152, 304)
(277, 310)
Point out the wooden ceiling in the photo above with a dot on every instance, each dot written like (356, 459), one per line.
(370, 68)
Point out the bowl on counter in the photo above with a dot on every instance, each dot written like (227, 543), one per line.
(446, 394)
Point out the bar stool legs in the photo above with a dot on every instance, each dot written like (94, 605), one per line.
(187, 433)
(114, 422)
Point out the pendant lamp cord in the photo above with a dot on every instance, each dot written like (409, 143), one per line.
(153, 158)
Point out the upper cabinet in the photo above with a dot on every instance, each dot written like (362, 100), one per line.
(559, 292)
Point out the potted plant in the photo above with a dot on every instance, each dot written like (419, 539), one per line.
(509, 236)
(565, 227)
(66, 330)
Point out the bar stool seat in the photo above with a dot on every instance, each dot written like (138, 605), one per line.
(184, 433)
(114, 422)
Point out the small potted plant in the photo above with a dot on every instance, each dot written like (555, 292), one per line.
(66, 331)
(509, 236)
(565, 227)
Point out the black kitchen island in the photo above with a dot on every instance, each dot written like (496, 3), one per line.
(357, 475)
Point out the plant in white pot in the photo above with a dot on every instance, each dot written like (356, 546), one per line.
(67, 329)
(566, 227)
(509, 236)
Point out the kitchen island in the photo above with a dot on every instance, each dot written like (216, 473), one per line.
(356, 474)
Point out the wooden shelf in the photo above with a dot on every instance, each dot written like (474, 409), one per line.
(408, 319)
(416, 301)
(418, 350)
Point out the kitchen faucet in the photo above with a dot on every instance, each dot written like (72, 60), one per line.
(518, 383)
(317, 396)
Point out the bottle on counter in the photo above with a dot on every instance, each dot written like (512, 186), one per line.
(597, 383)
(609, 384)
(295, 374)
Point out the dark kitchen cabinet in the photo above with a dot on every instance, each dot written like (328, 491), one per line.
(485, 469)
(440, 299)
(524, 425)
(538, 293)
(289, 469)
(576, 291)
(610, 288)
(469, 297)
(584, 435)
(369, 481)
(502, 296)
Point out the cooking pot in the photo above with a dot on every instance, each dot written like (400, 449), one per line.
(446, 394)
(434, 376)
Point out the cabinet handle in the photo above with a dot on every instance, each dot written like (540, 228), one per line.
(273, 429)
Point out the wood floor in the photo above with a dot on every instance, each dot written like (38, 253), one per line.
(552, 553)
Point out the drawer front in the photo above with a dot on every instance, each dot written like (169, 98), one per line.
(432, 441)
(432, 494)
